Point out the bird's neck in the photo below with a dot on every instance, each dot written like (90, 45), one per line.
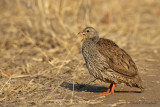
(92, 40)
(88, 48)
(89, 44)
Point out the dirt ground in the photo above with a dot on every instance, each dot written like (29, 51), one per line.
(40, 53)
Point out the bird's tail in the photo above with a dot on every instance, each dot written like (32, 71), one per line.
(139, 83)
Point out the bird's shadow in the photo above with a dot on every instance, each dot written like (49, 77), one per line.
(90, 88)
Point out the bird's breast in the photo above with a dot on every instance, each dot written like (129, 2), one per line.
(92, 57)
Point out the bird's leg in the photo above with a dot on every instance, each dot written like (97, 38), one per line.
(88, 81)
(110, 90)
(91, 81)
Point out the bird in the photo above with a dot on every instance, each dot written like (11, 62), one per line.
(106, 61)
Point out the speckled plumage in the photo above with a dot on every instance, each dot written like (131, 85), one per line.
(108, 62)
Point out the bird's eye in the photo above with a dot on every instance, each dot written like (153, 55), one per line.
(87, 30)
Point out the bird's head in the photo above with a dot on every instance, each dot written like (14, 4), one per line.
(89, 33)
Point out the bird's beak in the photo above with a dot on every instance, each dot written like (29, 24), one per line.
(84, 35)
(80, 32)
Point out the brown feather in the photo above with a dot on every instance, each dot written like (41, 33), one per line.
(117, 59)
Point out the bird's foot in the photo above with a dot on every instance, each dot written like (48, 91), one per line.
(109, 91)
(106, 93)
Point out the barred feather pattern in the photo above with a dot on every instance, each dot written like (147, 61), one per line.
(100, 69)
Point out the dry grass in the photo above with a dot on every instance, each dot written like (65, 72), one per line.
(39, 49)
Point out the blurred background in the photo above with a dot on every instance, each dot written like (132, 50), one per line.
(39, 46)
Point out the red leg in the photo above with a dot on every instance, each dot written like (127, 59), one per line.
(110, 90)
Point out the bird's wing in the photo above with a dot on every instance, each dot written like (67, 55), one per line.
(117, 59)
